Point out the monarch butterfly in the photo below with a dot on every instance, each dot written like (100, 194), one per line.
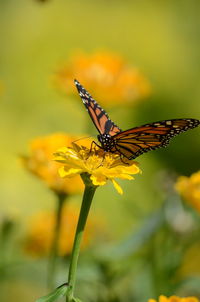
(132, 142)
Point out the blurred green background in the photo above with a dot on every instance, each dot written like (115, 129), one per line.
(162, 38)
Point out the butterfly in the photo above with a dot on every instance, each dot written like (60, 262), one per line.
(135, 141)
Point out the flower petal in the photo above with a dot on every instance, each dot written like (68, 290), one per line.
(64, 172)
(98, 180)
(126, 176)
(117, 186)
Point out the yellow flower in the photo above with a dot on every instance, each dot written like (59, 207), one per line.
(191, 262)
(40, 162)
(99, 165)
(189, 189)
(40, 233)
(106, 75)
(175, 299)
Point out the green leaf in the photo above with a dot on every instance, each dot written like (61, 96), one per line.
(57, 293)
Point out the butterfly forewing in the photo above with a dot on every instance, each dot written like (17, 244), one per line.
(98, 115)
(133, 142)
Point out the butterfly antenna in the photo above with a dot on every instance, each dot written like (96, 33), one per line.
(81, 138)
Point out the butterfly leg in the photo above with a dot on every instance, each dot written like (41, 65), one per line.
(121, 158)
(94, 143)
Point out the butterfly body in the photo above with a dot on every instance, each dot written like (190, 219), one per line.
(107, 142)
(135, 141)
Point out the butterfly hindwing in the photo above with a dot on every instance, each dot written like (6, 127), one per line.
(98, 115)
(133, 142)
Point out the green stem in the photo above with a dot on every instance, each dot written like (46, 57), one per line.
(85, 207)
(54, 247)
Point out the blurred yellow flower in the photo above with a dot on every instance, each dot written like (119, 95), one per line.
(40, 232)
(106, 75)
(189, 189)
(190, 265)
(40, 162)
(175, 299)
(99, 165)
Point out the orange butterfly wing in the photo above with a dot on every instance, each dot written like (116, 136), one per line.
(133, 142)
(98, 115)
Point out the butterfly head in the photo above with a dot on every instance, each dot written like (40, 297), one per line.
(106, 141)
